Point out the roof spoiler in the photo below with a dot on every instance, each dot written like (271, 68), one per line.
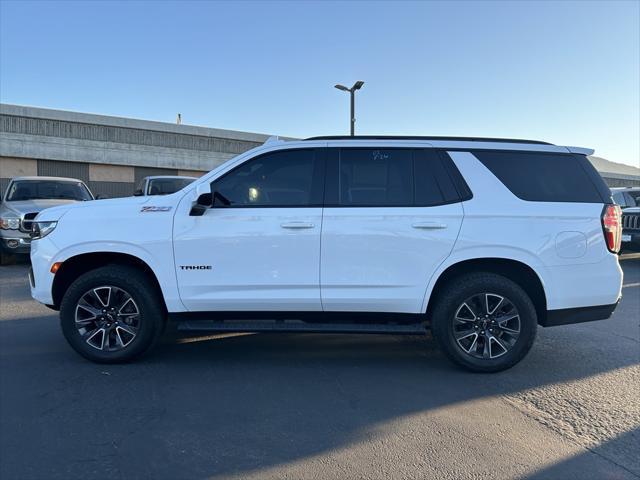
(580, 150)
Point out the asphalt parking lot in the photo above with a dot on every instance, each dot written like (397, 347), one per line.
(314, 406)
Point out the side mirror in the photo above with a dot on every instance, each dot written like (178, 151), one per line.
(203, 202)
(101, 197)
(138, 192)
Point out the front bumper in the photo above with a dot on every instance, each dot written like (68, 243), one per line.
(41, 278)
(15, 244)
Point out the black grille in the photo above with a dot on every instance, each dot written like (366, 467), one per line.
(631, 221)
(27, 220)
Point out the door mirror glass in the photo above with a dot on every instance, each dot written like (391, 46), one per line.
(137, 192)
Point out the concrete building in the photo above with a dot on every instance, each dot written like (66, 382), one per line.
(112, 154)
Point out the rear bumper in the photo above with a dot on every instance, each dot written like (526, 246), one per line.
(566, 316)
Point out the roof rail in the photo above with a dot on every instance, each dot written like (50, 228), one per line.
(436, 138)
(273, 139)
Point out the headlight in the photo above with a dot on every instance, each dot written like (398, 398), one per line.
(9, 223)
(42, 229)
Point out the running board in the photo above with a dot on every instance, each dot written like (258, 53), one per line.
(298, 326)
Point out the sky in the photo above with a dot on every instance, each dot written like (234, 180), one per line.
(563, 72)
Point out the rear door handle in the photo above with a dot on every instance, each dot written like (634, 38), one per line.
(429, 225)
(297, 225)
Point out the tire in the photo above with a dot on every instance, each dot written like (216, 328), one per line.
(497, 346)
(121, 334)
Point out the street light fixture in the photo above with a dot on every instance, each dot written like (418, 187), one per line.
(352, 91)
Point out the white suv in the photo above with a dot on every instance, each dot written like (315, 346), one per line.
(478, 240)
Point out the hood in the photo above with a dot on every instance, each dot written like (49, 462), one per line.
(37, 205)
(53, 214)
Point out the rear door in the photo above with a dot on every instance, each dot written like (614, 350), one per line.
(391, 216)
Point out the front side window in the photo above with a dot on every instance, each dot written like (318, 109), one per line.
(47, 190)
(375, 177)
(286, 178)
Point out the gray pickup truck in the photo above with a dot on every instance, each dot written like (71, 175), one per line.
(24, 198)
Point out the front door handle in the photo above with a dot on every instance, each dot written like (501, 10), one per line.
(429, 225)
(297, 225)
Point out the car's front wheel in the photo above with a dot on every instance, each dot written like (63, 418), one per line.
(112, 314)
(484, 322)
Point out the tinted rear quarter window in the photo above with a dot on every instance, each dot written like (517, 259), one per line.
(546, 177)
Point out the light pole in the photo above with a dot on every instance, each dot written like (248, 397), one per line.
(352, 91)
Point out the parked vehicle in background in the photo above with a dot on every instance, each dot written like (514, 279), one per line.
(23, 199)
(626, 196)
(162, 185)
(631, 228)
(479, 240)
(629, 200)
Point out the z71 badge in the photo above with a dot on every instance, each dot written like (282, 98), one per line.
(155, 209)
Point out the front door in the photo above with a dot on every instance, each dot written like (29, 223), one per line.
(258, 247)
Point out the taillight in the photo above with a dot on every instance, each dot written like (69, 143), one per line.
(612, 227)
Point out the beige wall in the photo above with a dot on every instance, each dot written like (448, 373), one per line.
(17, 167)
(110, 173)
(190, 173)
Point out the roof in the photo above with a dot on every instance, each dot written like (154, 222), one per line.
(154, 177)
(448, 143)
(428, 138)
(57, 179)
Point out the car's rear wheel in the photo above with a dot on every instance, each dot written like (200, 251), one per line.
(484, 322)
(112, 314)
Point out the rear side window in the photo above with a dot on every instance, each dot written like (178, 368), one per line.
(375, 177)
(392, 177)
(434, 179)
(546, 177)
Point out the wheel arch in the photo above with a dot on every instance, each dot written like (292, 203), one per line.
(514, 270)
(82, 263)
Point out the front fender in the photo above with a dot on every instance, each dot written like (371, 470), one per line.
(158, 257)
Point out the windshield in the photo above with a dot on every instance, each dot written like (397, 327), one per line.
(165, 186)
(47, 189)
(635, 195)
